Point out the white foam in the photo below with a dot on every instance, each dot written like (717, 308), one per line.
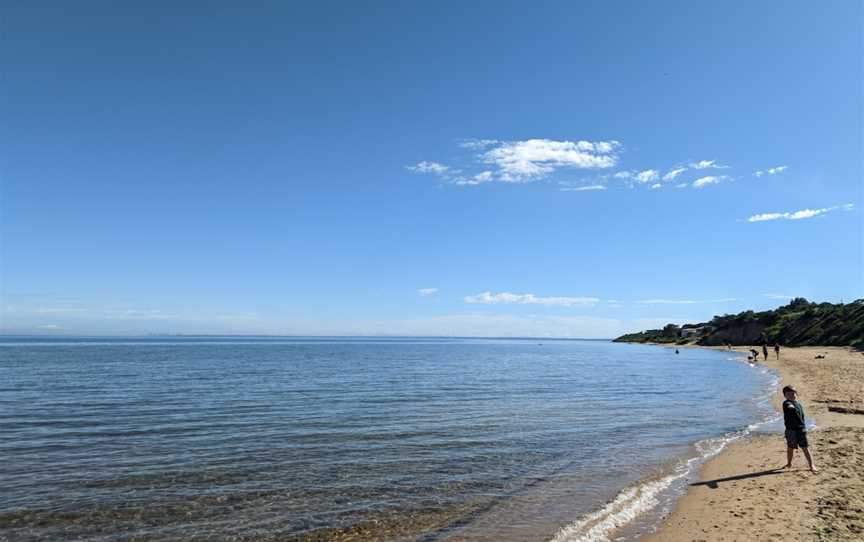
(626, 506)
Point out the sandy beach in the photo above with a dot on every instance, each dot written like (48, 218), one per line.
(743, 494)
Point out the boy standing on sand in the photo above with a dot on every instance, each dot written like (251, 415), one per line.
(796, 431)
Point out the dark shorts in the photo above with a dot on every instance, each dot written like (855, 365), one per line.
(796, 438)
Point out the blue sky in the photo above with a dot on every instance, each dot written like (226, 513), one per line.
(574, 169)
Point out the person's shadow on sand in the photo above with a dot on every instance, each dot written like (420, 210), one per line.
(714, 484)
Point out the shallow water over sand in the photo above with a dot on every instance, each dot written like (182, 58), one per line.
(280, 439)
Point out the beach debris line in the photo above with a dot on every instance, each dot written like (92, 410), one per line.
(844, 410)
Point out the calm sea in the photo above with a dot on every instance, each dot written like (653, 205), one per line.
(328, 439)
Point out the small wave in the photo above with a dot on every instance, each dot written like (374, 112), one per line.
(626, 507)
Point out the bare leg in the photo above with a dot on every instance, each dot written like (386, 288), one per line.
(809, 459)
(789, 452)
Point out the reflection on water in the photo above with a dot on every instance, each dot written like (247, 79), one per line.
(335, 439)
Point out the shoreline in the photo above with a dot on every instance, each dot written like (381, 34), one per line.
(641, 508)
(741, 494)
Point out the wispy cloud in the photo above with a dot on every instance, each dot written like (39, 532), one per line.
(509, 325)
(532, 159)
(478, 144)
(426, 292)
(83, 315)
(643, 176)
(705, 164)
(482, 177)
(647, 176)
(702, 182)
(799, 215)
(651, 177)
(427, 166)
(705, 181)
(59, 310)
(684, 301)
(506, 298)
(670, 175)
(583, 188)
(524, 161)
(778, 296)
(140, 314)
(771, 171)
(128, 314)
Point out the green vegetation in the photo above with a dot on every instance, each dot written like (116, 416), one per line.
(800, 323)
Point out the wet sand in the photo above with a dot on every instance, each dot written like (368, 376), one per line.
(744, 494)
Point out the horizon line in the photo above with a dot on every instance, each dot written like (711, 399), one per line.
(5, 334)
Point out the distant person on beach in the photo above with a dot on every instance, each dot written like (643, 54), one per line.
(796, 430)
(765, 351)
(755, 355)
(777, 350)
(676, 350)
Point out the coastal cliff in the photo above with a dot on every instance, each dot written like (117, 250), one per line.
(800, 323)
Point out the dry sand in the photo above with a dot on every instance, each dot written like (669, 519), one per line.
(744, 495)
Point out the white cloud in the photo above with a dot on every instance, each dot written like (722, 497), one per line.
(798, 215)
(683, 301)
(771, 171)
(766, 216)
(704, 164)
(583, 188)
(478, 144)
(705, 181)
(681, 185)
(480, 178)
(532, 159)
(806, 213)
(647, 176)
(426, 292)
(778, 296)
(488, 298)
(528, 160)
(49, 326)
(670, 176)
(605, 147)
(634, 178)
(427, 166)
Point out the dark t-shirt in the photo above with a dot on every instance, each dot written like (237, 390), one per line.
(793, 417)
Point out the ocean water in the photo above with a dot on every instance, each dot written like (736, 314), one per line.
(324, 439)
